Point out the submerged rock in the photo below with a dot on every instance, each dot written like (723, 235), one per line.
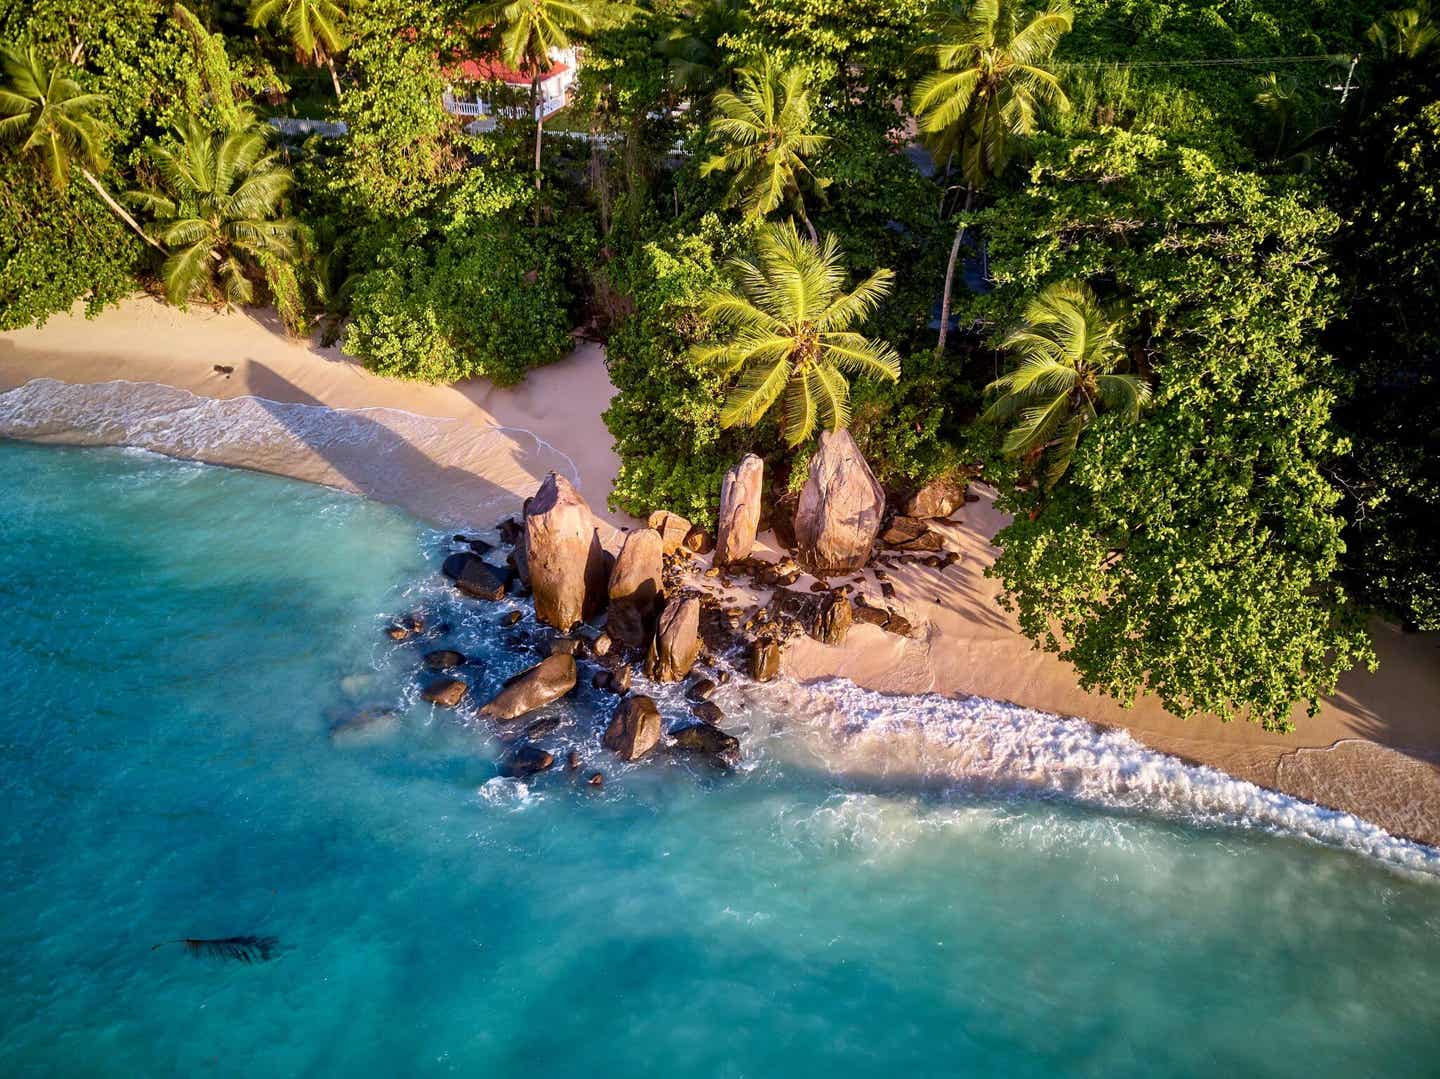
(446, 692)
(739, 510)
(564, 556)
(541, 727)
(547, 681)
(708, 739)
(635, 588)
(634, 729)
(838, 515)
(597, 779)
(708, 712)
(701, 689)
(443, 659)
(525, 761)
(677, 641)
(364, 725)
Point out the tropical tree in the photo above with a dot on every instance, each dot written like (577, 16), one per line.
(313, 27)
(699, 64)
(531, 30)
(1410, 33)
(788, 325)
(219, 214)
(54, 120)
(989, 89)
(1070, 354)
(767, 134)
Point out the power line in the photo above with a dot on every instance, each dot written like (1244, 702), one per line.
(1333, 58)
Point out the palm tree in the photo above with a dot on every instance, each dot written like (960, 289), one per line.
(988, 89)
(767, 133)
(219, 214)
(789, 323)
(54, 120)
(530, 30)
(1070, 355)
(1408, 34)
(698, 63)
(313, 27)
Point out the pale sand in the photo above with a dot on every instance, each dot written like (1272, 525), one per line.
(467, 454)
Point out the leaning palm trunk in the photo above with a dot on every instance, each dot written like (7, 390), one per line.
(119, 210)
(334, 78)
(950, 275)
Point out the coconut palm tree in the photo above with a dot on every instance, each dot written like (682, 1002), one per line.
(219, 213)
(767, 134)
(531, 30)
(1071, 357)
(989, 88)
(54, 120)
(788, 325)
(698, 63)
(313, 27)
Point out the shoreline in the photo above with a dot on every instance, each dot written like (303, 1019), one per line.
(453, 454)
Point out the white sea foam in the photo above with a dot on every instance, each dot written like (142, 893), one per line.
(387, 453)
(973, 746)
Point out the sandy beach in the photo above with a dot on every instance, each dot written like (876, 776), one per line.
(465, 455)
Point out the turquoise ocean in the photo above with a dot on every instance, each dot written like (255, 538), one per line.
(886, 886)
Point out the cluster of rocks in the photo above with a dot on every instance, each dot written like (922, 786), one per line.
(556, 557)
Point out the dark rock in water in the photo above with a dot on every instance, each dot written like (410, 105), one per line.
(542, 727)
(511, 618)
(443, 660)
(634, 729)
(525, 761)
(572, 762)
(480, 546)
(620, 679)
(699, 541)
(601, 680)
(764, 658)
(370, 723)
(520, 563)
(402, 629)
(547, 681)
(597, 779)
(397, 632)
(705, 738)
(476, 577)
(677, 641)
(446, 692)
(722, 677)
(909, 534)
(602, 644)
(567, 646)
(702, 689)
(510, 530)
(708, 712)
(567, 564)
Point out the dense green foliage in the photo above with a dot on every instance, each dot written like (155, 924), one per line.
(1247, 188)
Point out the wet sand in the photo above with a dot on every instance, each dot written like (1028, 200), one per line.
(468, 454)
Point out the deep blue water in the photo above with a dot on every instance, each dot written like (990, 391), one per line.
(177, 641)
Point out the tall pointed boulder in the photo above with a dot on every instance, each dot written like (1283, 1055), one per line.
(838, 516)
(635, 588)
(563, 554)
(739, 510)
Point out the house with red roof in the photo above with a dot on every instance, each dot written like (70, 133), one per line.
(472, 82)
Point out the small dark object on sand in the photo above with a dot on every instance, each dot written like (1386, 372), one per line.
(224, 369)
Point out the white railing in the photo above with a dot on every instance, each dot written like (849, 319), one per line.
(547, 108)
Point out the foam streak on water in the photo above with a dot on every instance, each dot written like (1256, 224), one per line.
(979, 745)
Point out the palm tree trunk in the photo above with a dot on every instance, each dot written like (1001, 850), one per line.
(950, 275)
(805, 218)
(334, 78)
(539, 134)
(118, 210)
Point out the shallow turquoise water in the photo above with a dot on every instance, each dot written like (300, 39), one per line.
(178, 639)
